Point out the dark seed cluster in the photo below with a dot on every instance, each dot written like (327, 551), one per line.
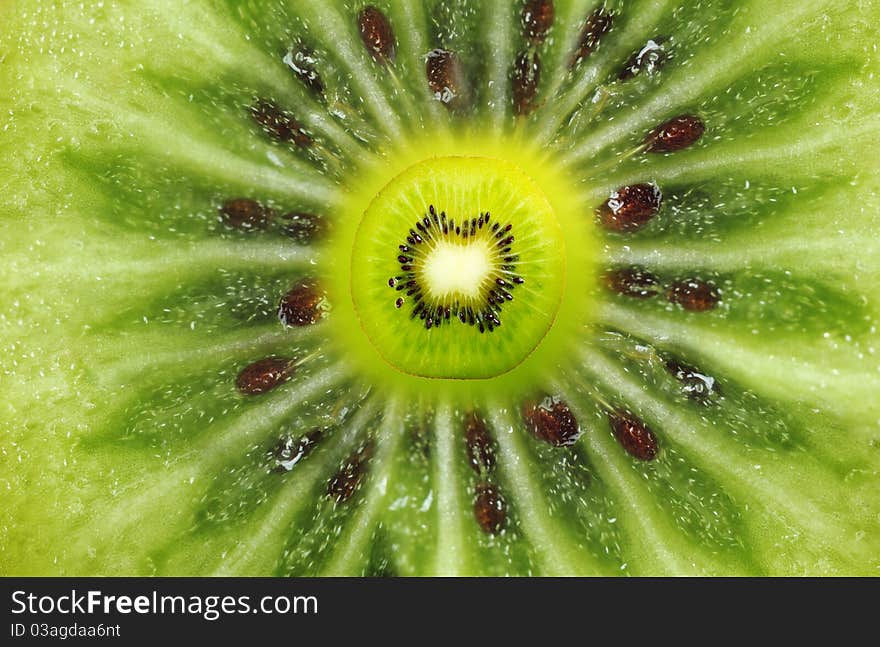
(377, 34)
(264, 375)
(345, 482)
(245, 214)
(537, 18)
(674, 135)
(525, 79)
(303, 63)
(303, 228)
(630, 207)
(485, 313)
(289, 450)
(691, 294)
(597, 25)
(552, 421)
(302, 305)
(634, 282)
(480, 448)
(648, 59)
(694, 383)
(490, 508)
(445, 75)
(694, 295)
(279, 125)
(634, 435)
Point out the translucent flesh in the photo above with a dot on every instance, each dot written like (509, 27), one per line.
(128, 309)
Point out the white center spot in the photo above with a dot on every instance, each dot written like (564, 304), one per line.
(452, 269)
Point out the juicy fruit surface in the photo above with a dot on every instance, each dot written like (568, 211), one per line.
(717, 415)
(518, 254)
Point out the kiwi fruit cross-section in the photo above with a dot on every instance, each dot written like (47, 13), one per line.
(439, 287)
(457, 271)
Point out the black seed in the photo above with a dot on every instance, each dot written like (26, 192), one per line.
(649, 59)
(289, 451)
(445, 76)
(630, 207)
(399, 302)
(264, 375)
(694, 295)
(675, 134)
(304, 228)
(302, 305)
(633, 435)
(377, 34)
(345, 482)
(552, 421)
(537, 18)
(694, 383)
(303, 64)
(596, 26)
(525, 78)
(245, 214)
(490, 509)
(632, 282)
(278, 124)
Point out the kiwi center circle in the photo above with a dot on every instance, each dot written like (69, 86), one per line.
(457, 271)
(458, 268)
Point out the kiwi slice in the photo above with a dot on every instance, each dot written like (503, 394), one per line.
(458, 265)
(517, 287)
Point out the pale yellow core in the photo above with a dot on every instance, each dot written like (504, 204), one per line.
(457, 269)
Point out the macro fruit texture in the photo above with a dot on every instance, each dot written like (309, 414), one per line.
(439, 287)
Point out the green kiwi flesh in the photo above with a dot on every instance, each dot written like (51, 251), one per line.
(456, 269)
(189, 386)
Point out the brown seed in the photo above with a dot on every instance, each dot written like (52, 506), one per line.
(675, 134)
(694, 295)
(694, 383)
(303, 63)
(634, 435)
(537, 18)
(289, 451)
(304, 228)
(490, 509)
(245, 214)
(302, 305)
(278, 124)
(650, 58)
(445, 76)
(633, 282)
(377, 34)
(630, 207)
(264, 375)
(597, 25)
(552, 421)
(525, 78)
(346, 481)
(480, 449)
